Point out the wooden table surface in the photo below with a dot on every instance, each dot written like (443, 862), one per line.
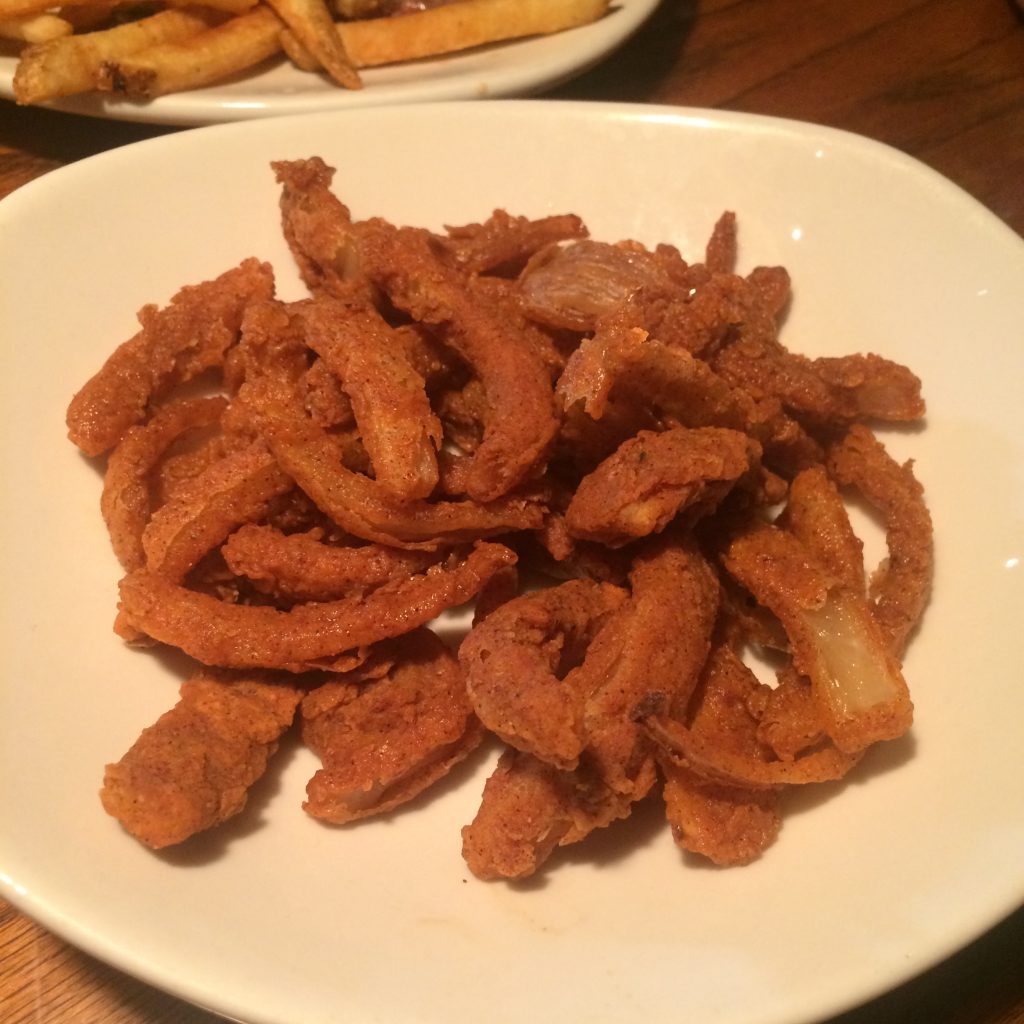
(942, 80)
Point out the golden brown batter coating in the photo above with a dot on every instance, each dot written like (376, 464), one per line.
(193, 767)
(384, 740)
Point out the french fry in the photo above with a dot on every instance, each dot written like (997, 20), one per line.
(459, 26)
(24, 8)
(62, 67)
(297, 53)
(311, 23)
(228, 6)
(211, 55)
(35, 28)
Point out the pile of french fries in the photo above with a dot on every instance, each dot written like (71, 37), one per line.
(142, 50)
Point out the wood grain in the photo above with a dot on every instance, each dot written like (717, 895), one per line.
(942, 80)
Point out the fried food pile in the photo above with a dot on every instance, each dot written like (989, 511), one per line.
(607, 449)
(139, 49)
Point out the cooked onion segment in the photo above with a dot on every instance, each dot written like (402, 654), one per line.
(653, 477)
(125, 500)
(504, 242)
(239, 488)
(901, 587)
(176, 343)
(389, 400)
(192, 769)
(816, 516)
(384, 740)
(652, 645)
(519, 667)
(835, 640)
(300, 567)
(528, 807)
(520, 425)
(313, 458)
(308, 635)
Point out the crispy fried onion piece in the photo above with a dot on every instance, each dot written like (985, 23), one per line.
(823, 391)
(385, 740)
(192, 769)
(317, 226)
(313, 458)
(238, 488)
(301, 567)
(653, 477)
(718, 740)
(176, 343)
(622, 362)
(572, 286)
(815, 514)
(654, 643)
(504, 243)
(527, 808)
(125, 500)
(398, 428)
(727, 821)
(521, 421)
(833, 636)
(308, 635)
(901, 586)
(518, 659)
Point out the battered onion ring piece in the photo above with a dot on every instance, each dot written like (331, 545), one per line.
(317, 226)
(298, 567)
(125, 501)
(504, 242)
(521, 423)
(392, 411)
(313, 459)
(252, 636)
(192, 769)
(385, 741)
(816, 516)
(653, 477)
(176, 343)
(834, 638)
(513, 664)
(655, 644)
(237, 489)
(900, 589)
(525, 812)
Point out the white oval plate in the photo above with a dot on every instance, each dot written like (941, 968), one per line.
(518, 68)
(276, 919)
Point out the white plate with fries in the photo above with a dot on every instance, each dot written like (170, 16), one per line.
(472, 49)
(276, 919)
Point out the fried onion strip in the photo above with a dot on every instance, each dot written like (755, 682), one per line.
(900, 589)
(521, 424)
(384, 741)
(392, 411)
(249, 636)
(834, 638)
(176, 343)
(125, 501)
(238, 488)
(192, 769)
(516, 663)
(299, 567)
